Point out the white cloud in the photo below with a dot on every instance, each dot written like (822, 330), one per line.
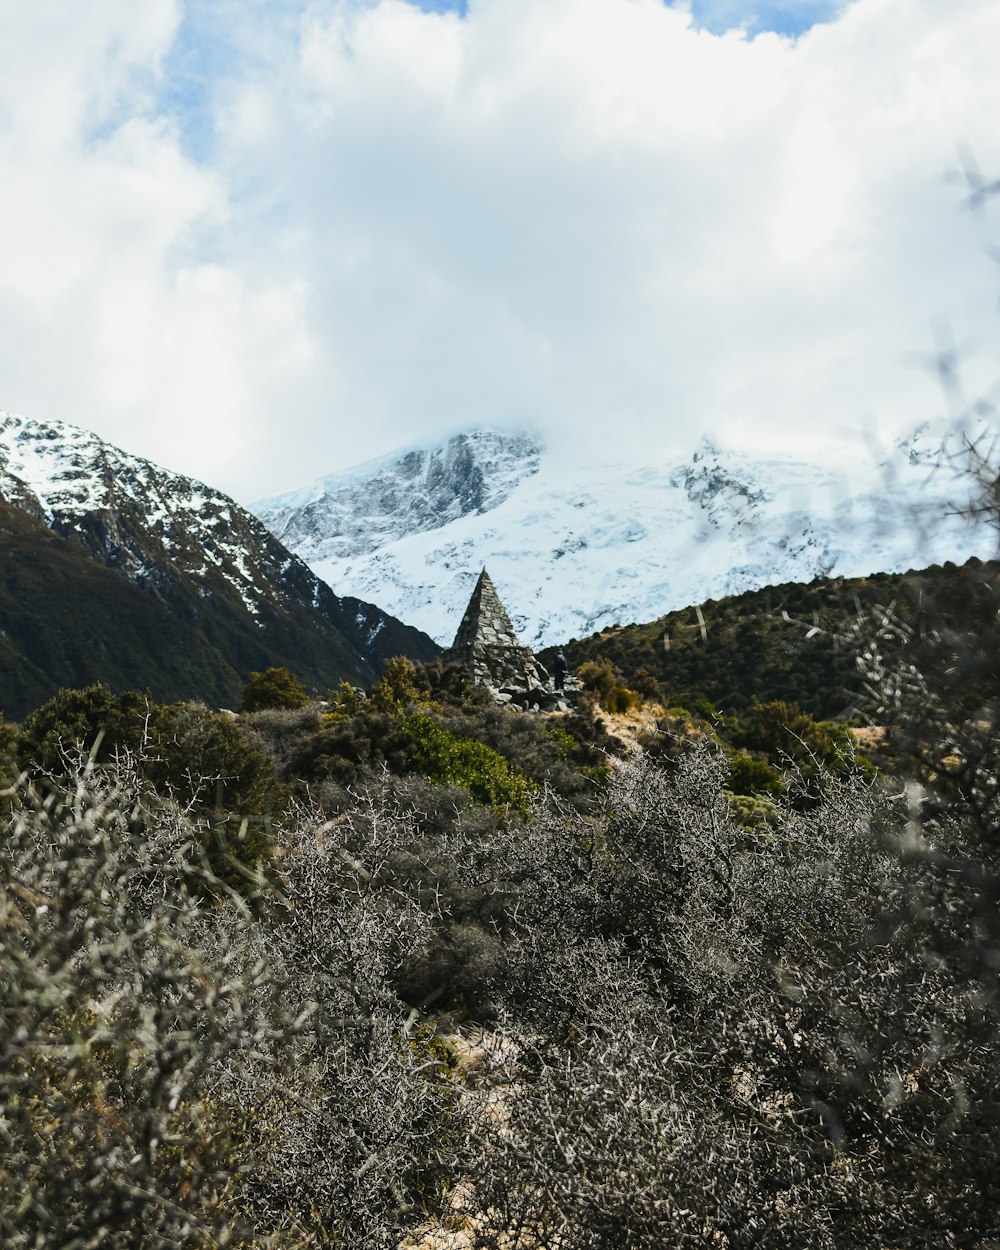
(118, 309)
(589, 214)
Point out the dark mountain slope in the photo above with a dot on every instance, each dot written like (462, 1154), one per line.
(155, 580)
(66, 620)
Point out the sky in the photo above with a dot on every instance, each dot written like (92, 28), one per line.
(259, 241)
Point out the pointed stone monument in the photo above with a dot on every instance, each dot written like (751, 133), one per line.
(487, 646)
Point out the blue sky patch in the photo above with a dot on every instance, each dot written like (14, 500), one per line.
(216, 44)
(442, 6)
(785, 17)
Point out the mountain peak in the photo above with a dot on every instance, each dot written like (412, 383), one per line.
(361, 510)
(588, 545)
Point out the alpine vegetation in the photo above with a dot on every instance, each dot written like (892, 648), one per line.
(434, 972)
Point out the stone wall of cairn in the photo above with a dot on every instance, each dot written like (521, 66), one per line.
(487, 646)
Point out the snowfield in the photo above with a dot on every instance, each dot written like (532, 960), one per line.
(574, 549)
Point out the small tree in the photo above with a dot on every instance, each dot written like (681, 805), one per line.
(396, 689)
(275, 687)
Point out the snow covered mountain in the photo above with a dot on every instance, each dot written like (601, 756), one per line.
(220, 596)
(369, 507)
(573, 549)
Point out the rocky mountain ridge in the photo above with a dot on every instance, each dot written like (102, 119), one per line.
(208, 570)
(364, 509)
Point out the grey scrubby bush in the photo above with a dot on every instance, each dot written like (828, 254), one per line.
(120, 1006)
(279, 731)
(748, 1042)
(363, 1119)
(179, 1067)
(439, 862)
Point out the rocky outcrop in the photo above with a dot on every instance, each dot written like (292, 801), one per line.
(355, 514)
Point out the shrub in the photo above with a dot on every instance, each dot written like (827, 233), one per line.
(770, 1050)
(561, 754)
(396, 689)
(750, 776)
(92, 720)
(122, 1004)
(364, 1121)
(346, 700)
(451, 687)
(279, 732)
(781, 731)
(448, 759)
(754, 811)
(644, 683)
(345, 746)
(603, 680)
(564, 742)
(173, 1075)
(203, 760)
(792, 741)
(275, 687)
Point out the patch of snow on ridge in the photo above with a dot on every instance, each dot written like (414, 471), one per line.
(71, 471)
(68, 476)
(574, 550)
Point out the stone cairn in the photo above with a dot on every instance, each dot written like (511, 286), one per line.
(487, 646)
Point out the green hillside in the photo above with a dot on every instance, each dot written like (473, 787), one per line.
(796, 643)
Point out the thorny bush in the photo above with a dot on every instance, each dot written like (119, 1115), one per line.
(778, 1036)
(121, 1006)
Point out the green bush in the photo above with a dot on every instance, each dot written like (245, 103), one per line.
(556, 754)
(345, 746)
(753, 811)
(346, 700)
(396, 689)
(565, 744)
(794, 742)
(275, 687)
(751, 776)
(445, 758)
(93, 720)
